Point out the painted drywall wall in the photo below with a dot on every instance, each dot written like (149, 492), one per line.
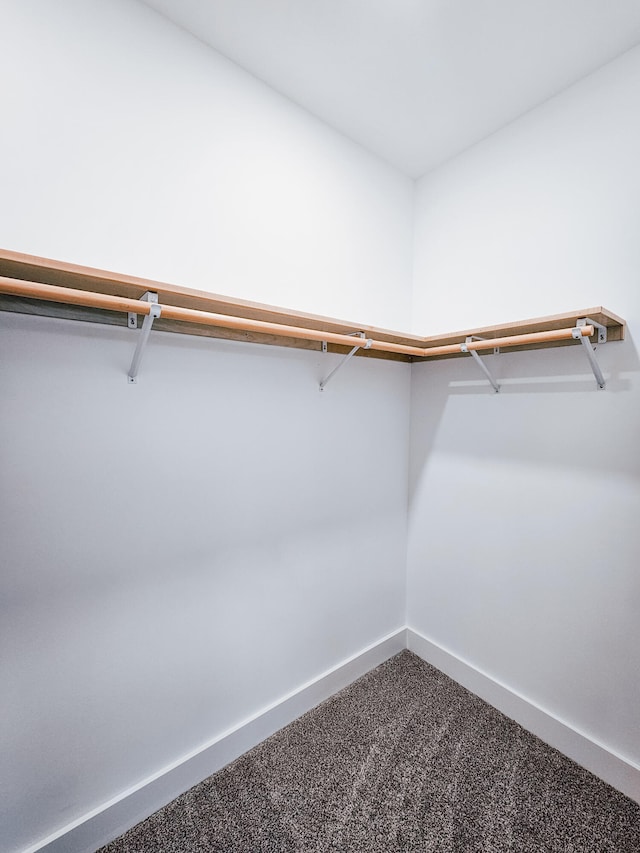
(180, 553)
(132, 146)
(524, 543)
(538, 219)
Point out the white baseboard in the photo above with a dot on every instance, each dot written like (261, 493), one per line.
(113, 818)
(600, 760)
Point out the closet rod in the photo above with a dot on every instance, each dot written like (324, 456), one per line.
(508, 341)
(71, 296)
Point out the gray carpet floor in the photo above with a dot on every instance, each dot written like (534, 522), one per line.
(404, 760)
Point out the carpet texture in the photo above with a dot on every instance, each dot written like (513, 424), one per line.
(404, 760)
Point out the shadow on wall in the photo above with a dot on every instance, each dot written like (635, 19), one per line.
(549, 410)
(523, 534)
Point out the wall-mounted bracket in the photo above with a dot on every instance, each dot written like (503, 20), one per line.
(367, 345)
(478, 360)
(588, 348)
(602, 330)
(147, 323)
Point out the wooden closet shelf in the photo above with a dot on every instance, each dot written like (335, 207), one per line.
(28, 268)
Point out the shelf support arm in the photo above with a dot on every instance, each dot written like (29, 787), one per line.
(366, 345)
(478, 360)
(589, 350)
(147, 323)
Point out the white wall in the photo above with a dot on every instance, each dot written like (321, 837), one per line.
(524, 543)
(131, 146)
(180, 553)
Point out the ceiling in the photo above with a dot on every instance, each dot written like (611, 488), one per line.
(414, 81)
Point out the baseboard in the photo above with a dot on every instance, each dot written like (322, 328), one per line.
(122, 812)
(101, 825)
(595, 757)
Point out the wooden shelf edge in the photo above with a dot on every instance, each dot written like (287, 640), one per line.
(615, 330)
(47, 271)
(64, 274)
(536, 324)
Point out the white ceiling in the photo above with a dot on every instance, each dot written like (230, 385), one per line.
(414, 81)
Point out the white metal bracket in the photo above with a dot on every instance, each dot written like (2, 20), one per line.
(478, 360)
(602, 330)
(589, 349)
(147, 323)
(367, 345)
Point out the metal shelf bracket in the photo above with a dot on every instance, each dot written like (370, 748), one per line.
(589, 349)
(602, 330)
(478, 360)
(367, 345)
(147, 323)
